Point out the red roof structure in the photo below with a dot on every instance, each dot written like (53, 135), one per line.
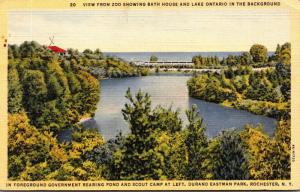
(56, 49)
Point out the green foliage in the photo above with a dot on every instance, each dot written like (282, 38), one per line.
(56, 93)
(259, 149)
(153, 58)
(32, 155)
(281, 151)
(246, 59)
(202, 62)
(15, 92)
(143, 71)
(283, 53)
(259, 53)
(48, 93)
(230, 161)
(208, 87)
(28, 49)
(55, 90)
(140, 146)
(158, 143)
(35, 155)
(269, 158)
(196, 143)
(274, 110)
(263, 92)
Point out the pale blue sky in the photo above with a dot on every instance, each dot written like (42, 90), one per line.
(152, 30)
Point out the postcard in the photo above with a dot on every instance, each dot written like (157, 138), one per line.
(150, 95)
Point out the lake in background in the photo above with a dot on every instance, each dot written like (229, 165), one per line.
(168, 56)
(168, 90)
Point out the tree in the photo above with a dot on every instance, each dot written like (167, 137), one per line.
(285, 54)
(258, 146)
(259, 53)
(32, 155)
(175, 154)
(99, 53)
(196, 143)
(166, 120)
(35, 92)
(281, 151)
(138, 146)
(13, 51)
(153, 58)
(89, 95)
(88, 51)
(231, 60)
(277, 52)
(29, 49)
(15, 92)
(151, 141)
(230, 160)
(55, 90)
(245, 58)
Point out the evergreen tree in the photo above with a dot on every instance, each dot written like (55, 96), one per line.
(231, 160)
(137, 159)
(196, 143)
(15, 92)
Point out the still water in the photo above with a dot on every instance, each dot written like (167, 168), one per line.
(167, 90)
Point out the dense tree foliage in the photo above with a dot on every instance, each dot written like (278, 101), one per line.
(269, 158)
(36, 155)
(259, 53)
(196, 144)
(257, 56)
(263, 92)
(49, 93)
(54, 93)
(230, 157)
(153, 58)
(103, 66)
(201, 61)
(15, 92)
(46, 95)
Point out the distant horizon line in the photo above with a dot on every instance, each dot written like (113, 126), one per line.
(18, 44)
(173, 51)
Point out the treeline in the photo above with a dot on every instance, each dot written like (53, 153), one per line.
(256, 57)
(265, 92)
(158, 147)
(104, 66)
(95, 62)
(201, 61)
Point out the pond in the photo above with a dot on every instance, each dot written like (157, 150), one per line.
(168, 90)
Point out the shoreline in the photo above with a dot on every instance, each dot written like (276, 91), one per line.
(84, 119)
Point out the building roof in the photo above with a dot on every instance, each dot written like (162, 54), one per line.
(56, 49)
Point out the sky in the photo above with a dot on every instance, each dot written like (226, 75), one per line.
(152, 30)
